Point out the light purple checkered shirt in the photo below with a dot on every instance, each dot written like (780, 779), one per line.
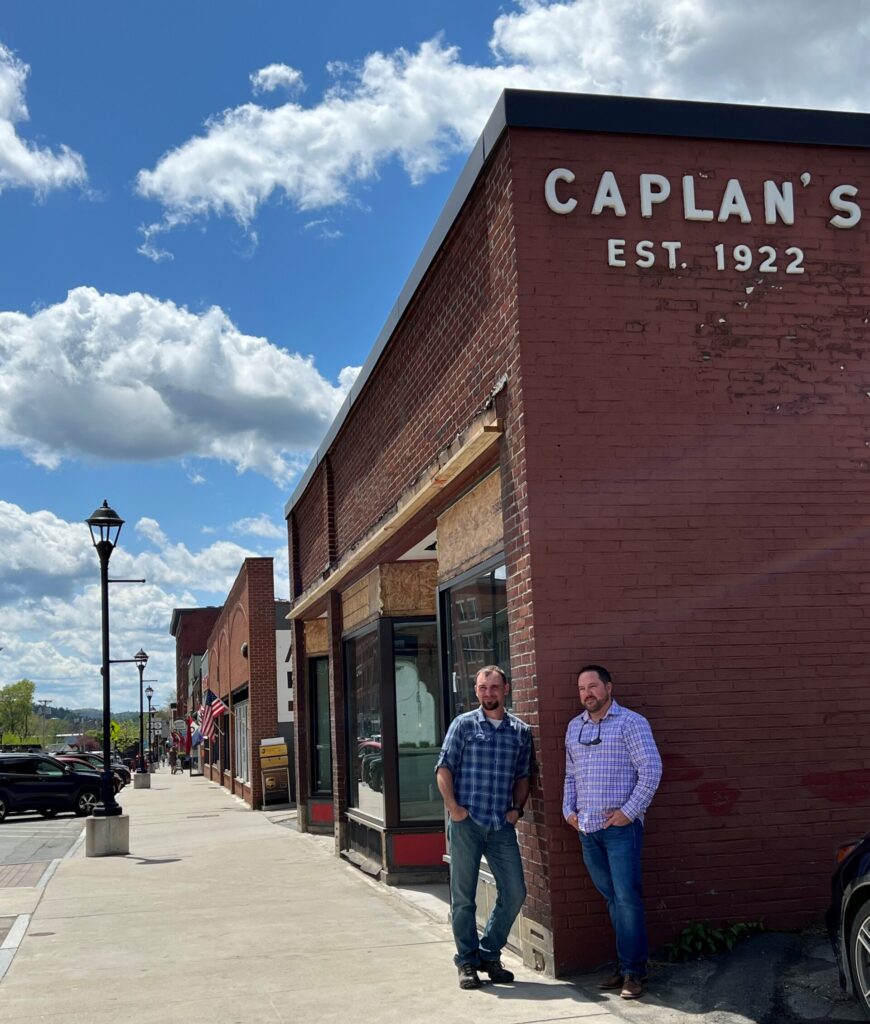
(622, 772)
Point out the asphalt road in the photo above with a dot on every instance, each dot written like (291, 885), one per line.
(29, 839)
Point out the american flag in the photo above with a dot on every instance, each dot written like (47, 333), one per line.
(212, 708)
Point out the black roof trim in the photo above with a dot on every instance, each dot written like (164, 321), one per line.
(627, 115)
(620, 115)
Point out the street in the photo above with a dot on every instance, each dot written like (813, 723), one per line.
(28, 839)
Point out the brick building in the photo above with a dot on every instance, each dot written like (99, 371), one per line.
(191, 628)
(242, 671)
(618, 414)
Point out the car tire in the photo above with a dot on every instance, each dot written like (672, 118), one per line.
(859, 956)
(49, 812)
(86, 801)
(4, 807)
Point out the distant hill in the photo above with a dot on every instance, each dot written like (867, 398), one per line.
(118, 716)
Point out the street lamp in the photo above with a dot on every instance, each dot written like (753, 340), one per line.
(141, 660)
(105, 525)
(149, 693)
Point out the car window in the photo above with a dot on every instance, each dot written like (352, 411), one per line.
(47, 768)
(15, 767)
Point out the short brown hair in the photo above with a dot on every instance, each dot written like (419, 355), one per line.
(599, 670)
(488, 670)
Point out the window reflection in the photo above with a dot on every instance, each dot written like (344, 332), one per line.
(418, 725)
(364, 718)
(321, 781)
(477, 633)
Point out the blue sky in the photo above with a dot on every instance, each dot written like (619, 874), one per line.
(208, 209)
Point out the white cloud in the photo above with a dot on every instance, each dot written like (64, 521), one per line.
(277, 76)
(171, 384)
(40, 553)
(22, 164)
(258, 526)
(420, 107)
(50, 602)
(321, 228)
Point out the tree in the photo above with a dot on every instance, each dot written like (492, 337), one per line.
(125, 736)
(16, 707)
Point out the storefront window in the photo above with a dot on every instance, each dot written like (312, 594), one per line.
(321, 775)
(240, 726)
(362, 667)
(223, 742)
(476, 628)
(418, 725)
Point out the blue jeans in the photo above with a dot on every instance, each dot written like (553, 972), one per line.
(612, 857)
(468, 842)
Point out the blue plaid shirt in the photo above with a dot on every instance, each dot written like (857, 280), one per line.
(485, 762)
(622, 772)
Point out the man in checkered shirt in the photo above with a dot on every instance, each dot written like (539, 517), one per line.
(483, 775)
(612, 770)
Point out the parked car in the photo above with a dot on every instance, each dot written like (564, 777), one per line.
(37, 782)
(848, 919)
(80, 764)
(96, 761)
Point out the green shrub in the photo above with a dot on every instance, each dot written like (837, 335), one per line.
(701, 939)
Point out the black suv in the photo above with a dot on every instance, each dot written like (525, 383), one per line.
(35, 782)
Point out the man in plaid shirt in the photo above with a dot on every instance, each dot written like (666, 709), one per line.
(483, 775)
(612, 770)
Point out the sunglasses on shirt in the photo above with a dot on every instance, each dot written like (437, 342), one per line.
(589, 743)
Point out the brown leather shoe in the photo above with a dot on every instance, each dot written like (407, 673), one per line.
(613, 982)
(632, 987)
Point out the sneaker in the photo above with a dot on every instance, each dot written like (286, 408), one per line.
(468, 976)
(496, 970)
(632, 987)
(613, 982)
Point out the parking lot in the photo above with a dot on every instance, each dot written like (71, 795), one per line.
(31, 839)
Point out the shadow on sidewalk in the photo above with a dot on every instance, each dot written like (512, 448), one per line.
(153, 860)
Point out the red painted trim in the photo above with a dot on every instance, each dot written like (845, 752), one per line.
(320, 812)
(418, 849)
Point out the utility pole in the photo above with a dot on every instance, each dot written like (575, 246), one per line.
(44, 701)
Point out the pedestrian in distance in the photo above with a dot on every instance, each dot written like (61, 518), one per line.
(612, 770)
(483, 775)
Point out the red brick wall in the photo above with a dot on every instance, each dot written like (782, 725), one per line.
(697, 453)
(191, 637)
(248, 617)
(443, 361)
(309, 518)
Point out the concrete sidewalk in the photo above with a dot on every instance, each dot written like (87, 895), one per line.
(221, 916)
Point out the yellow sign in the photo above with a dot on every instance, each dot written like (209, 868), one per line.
(274, 762)
(274, 750)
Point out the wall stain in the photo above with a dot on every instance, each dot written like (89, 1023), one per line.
(848, 788)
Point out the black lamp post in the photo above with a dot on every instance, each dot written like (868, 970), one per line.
(105, 525)
(149, 693)
(141, 660)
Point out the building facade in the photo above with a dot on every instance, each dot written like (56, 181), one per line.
(619, 414)
(191, 628)
(242, 671)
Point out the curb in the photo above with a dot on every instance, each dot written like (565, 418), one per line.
(10, 944)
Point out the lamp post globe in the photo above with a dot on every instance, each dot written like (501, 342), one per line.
(105, 526)
(141, 660)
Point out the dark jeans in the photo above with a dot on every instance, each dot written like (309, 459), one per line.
(468, 842)
(612, 857)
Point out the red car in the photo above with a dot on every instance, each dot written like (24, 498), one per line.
(77, 763)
